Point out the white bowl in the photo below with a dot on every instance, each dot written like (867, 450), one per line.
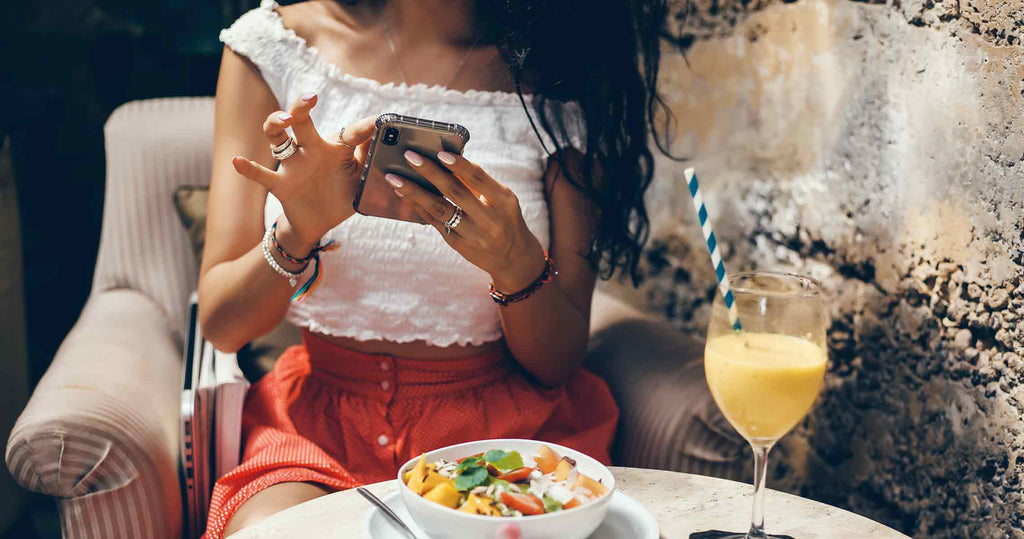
(445, 523)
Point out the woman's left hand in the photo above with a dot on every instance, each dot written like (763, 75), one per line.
(492, 234)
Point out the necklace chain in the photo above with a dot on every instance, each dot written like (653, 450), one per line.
(398, 63)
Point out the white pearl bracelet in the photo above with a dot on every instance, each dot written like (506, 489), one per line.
(293, 277)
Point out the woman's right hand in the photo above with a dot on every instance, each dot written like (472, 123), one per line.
(316, 185)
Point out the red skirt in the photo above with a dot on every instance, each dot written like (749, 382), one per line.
(342, 418)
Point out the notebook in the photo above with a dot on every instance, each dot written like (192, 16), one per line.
(213, 394)
(229, 397)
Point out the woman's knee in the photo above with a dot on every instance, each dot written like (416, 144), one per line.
(271, 500)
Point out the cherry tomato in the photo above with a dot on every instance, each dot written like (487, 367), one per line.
(527, 504)
(517, 475)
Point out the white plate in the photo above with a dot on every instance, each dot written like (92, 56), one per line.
(627, 519)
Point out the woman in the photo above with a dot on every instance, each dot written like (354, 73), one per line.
(404, 348)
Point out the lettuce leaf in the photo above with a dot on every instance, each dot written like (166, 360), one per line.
(550, 505)
(495, 455)
(505, 461)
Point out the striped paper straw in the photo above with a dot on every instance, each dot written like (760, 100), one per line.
(712, 243)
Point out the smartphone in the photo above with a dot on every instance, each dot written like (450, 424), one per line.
(394, 135)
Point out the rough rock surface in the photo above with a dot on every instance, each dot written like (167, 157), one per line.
(879, 147)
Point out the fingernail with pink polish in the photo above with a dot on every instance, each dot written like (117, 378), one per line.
(413, 158)
(446, 158)
(284, 116)
(395, 181)
(308, 96)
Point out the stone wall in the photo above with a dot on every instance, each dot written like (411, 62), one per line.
(878, 146)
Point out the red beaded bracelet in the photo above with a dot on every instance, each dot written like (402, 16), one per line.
(545, 277)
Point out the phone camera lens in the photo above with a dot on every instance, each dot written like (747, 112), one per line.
(391, 136)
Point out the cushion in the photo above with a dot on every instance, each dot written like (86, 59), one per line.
(190, 201)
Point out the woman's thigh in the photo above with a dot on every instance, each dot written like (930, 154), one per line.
(272, 500)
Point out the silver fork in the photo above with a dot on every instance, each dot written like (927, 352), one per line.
(386, 510)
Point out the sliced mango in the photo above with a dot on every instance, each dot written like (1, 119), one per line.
(418, 476)
(590, 484)
(444, 494)
(480, 505)
(408, 473)
(433, 480)
(546, 459)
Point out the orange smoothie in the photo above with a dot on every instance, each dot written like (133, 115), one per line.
(764, 383)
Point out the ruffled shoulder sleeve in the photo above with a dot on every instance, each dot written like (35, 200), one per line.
(260, 36)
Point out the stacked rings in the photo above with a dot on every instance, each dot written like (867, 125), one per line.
(453, 221)
(284, 150)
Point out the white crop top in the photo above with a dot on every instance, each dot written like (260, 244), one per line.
(391, 279)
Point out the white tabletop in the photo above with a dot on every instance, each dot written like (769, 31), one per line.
(683, 503)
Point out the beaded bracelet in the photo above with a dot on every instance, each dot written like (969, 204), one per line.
(269, 238)
(545, 277)
(292, 276)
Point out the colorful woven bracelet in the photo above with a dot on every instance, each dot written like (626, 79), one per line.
(545, 277)
(284, 254)
(309, 286)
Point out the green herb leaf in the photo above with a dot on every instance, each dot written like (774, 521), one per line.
(470, 477)
(505, 461)
(467, 462)
(550, 505)
(499, 483)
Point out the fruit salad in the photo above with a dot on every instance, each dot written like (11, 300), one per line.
(498, 483)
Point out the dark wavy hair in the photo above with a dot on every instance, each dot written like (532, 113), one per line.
(603, 55)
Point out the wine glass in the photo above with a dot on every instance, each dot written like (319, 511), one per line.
(766, 376)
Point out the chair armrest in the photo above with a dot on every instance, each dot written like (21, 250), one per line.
(101, 429)
(668, 419)
(606, 309)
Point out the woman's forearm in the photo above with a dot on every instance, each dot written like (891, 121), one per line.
(245, 298)
(546, 334)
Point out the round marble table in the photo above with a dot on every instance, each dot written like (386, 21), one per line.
(682, 503)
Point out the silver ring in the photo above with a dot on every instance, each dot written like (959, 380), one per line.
(285, 150)
(281, 147)
(341, 139)
(453, 221)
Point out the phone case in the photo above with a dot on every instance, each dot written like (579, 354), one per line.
(426, 137)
